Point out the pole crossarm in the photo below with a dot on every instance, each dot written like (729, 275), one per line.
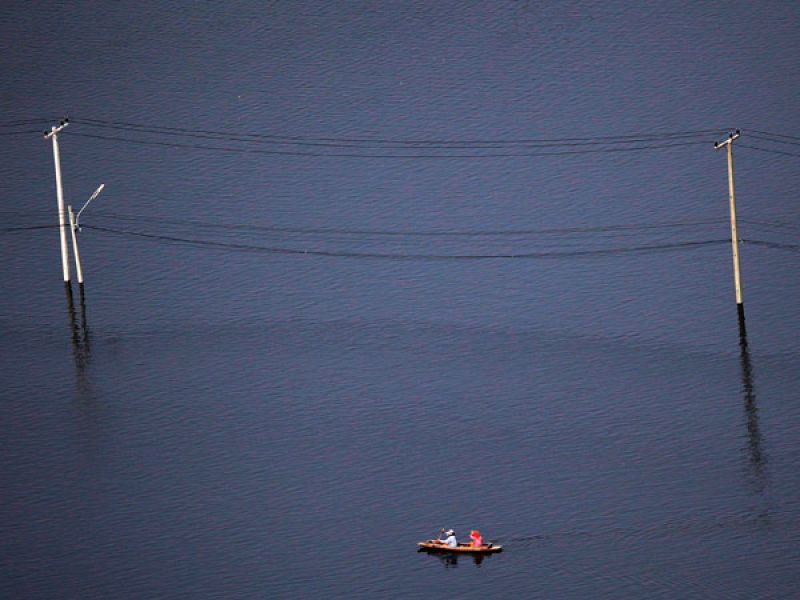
(56, 129)
(733, 136)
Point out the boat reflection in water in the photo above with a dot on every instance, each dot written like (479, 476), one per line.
(450, 559)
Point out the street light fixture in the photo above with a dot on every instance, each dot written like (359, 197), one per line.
(92, 197)
(73, 225)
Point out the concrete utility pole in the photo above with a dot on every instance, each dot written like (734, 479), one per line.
(734, 236)
(53, 134)
(75, 228)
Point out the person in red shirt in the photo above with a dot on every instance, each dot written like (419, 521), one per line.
(477, 540)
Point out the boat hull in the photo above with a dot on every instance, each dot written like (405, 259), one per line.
(432, 546)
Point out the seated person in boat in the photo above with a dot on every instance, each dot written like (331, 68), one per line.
(450, 540)
(477, 540)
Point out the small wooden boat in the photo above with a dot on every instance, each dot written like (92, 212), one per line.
(467, 548)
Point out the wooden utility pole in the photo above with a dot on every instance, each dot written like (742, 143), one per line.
(734, 235)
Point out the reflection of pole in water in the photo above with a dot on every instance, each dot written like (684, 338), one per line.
(73, 323)
(757, 457)
(84, 323)
(81, 348)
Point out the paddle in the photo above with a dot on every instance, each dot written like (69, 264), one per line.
(437, 537)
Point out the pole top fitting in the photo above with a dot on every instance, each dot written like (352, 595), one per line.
(731, 136)
(56, 129)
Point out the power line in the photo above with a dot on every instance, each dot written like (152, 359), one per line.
(760, 149)
(399, 144)
(409, 233)
(772, 224)
(776, 135)
(25, 132)
(22, 122)
(587, 253)
(643, 248)
(372, 146)
(27, 228)
(365, 147)
(274, 138)
(396, 256)
(361, 147)
(381, 156)
(774, 140)
(775, 245)
(430, 233)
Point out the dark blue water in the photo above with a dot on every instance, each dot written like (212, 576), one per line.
(296, 356)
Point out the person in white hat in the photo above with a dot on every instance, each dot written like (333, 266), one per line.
(450, 540)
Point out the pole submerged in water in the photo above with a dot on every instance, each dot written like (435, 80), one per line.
(74, 229)
(53, 135)
(737, 277)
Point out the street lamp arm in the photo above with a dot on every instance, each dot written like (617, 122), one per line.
(92, 197)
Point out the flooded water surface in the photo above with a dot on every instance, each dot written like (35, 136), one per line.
(364, 271)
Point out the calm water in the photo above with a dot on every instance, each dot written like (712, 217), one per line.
(290, 365)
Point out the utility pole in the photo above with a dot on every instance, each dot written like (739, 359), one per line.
(74, 229)
(734, 236)
(53, 135)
